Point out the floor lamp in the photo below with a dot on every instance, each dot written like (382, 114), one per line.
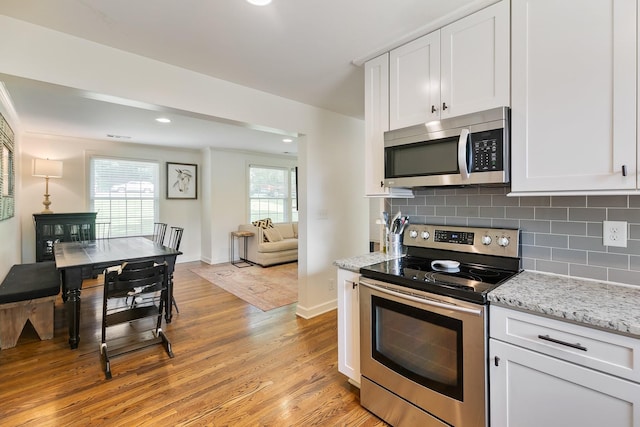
(46, 169)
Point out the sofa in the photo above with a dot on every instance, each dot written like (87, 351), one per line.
(271, 243)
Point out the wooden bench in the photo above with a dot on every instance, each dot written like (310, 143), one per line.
(28, 293)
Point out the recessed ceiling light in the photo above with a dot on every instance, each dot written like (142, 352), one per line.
(287, 140)
(163, 120)
(259, 2)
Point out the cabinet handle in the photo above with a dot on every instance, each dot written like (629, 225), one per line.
(496, 360)
(568, 344)
(624, 170)
(433, 108)
(354, 285)
(381, 184)
(444, 106)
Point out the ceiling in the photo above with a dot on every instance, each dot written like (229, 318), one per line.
(303, 50)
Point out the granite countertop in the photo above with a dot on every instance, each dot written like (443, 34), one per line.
(354, 263)
(603, 305)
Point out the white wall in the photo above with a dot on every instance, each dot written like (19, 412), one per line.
(227, 198)
(70, 193)
(333, 213)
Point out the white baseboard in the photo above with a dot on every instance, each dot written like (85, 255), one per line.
(309, 312)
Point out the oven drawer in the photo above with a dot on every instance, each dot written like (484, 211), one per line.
(604, 351)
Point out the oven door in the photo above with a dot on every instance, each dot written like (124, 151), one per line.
(426, 349)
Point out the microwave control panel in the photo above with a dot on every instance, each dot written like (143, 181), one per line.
(487, 152)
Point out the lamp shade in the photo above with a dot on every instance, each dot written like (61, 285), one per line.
(47, 168)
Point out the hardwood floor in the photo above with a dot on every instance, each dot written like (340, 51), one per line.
(234, 365)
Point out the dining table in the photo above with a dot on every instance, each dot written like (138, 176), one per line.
(80, 260)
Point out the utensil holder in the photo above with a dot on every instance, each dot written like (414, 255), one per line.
(394, 244)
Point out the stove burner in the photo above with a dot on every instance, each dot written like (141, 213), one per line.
(444, 280)
(436, 276)
(484, 273)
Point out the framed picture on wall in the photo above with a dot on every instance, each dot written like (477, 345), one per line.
(182, 181)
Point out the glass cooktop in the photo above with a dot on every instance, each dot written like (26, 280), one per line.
(466, 281)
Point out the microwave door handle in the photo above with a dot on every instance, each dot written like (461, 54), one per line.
(462, 154)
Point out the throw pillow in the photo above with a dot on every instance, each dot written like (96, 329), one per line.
(272, 235)
(263, 223)
(286, 230)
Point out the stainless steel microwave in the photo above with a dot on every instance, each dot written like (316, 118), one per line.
(463, 150)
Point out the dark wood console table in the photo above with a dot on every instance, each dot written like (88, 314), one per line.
(62, 227)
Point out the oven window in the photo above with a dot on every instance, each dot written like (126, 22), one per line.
(420, 345)
(422, 158)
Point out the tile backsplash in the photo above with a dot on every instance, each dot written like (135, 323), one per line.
(559, 234)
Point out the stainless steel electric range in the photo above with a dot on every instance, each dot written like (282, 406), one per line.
(423, 325)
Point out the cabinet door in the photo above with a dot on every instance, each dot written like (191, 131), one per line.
(529, 389)
(414, 88)
(475, 62)
(376, 119)
(573, 95)
(349, 326)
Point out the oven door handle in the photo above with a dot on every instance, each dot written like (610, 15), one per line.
(422, 300)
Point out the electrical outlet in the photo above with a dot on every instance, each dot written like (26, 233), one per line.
(614, 233)
(332, 284)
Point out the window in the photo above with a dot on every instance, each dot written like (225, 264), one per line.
(272, 193)
(125, 193)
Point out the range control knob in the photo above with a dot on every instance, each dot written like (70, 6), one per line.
(413, 234)
(503, 241)
(486, 240)
(425, 235)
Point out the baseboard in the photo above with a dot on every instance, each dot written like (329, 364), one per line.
(309, 312)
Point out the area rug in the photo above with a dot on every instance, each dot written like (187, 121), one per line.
(266, 288)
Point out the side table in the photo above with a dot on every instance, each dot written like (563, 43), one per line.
(242, 262)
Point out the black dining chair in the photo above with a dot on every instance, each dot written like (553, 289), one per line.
(103, 230)
(159, 231)
(175, 237)
(147, 283)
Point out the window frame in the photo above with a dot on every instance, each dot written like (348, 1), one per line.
(138, 225)
(288, 201)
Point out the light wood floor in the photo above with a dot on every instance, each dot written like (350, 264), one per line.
(234, 365)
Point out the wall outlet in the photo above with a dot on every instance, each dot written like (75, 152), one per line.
(332, 284)
(614, 233)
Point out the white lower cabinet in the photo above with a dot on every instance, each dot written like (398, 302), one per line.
(530, 389)
(538, 378)
(349, 325)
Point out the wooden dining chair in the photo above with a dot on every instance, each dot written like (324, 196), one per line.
(175, 237)
(159, 231)
(147, 283)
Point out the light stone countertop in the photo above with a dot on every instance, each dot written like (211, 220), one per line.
(591, 303)
(354, 263)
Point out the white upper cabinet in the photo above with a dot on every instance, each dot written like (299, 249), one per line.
(459, 69)
(573, 96)
(415, 82)
(376, 118)
(475, 62)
